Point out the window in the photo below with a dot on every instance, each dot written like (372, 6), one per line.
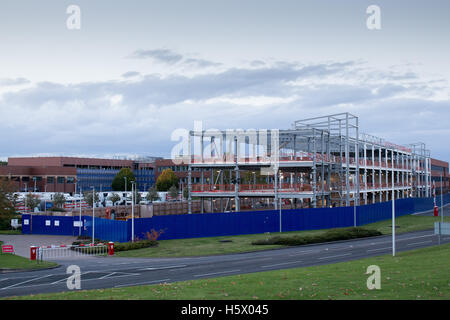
(60, 180)
(50, 179)
(70, 179)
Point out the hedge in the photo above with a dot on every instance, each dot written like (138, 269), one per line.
(328, 236)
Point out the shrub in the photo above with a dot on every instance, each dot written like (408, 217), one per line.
(125, 246)
(328, 236)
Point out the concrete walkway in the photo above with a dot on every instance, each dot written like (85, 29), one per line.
(23, 242)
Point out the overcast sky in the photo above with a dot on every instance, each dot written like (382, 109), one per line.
(137, 70)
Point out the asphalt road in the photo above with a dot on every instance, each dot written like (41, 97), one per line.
(111, 272)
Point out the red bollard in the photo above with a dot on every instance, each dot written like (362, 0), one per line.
(436, 211)
(111, 248)
(33, 251)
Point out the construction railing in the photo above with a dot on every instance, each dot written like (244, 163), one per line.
(67, 251)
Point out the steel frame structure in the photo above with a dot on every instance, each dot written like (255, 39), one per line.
(323, 161)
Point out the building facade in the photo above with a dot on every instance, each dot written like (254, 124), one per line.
(439, 172)
(70, 174)
(319, 162)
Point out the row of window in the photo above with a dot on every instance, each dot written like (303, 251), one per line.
(439, 168)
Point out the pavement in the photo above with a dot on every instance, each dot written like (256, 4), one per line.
(23, 242)
(116, 272)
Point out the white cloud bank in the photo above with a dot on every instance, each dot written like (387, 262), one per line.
(137, 114)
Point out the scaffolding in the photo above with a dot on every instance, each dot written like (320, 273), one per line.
(320, 162)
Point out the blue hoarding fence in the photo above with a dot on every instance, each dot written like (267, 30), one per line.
(226, 224)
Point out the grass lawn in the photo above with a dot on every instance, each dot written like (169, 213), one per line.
(11, 261)
(10, 232)
(418, 274)
(407, 223)
(243, 243)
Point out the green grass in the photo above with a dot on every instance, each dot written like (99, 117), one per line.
(418, 274)
(406, 223)
(9, 261)
(243, 243)
(10, 232)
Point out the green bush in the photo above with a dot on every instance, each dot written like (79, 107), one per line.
(328, 236)
(125, 246)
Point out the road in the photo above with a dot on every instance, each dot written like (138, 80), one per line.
(114, 272)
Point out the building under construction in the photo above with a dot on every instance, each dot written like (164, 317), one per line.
(319, 162)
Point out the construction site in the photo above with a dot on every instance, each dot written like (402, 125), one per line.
(319, 162)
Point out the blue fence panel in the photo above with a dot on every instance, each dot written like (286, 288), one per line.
(223, 224)
(105, 229)
(53, 225)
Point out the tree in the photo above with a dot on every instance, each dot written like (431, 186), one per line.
(59, 199)
(88, 197)
(118, 183)
(137, 197)
(114, 198)
(33, 201)
(166, 180)
(7, 201)
(152, 194)
(173, 192)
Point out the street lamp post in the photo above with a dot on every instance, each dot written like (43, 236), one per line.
(93, 215)
(133, 188)
(393, 222)
(442, 213)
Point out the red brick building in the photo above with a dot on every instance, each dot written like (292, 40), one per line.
(40, 178)
(439, 168)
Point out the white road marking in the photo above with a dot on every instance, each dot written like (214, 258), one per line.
(107, 275)
(141, 283)
(214, 273)
(338, 256)
(280, 264)
(416, 243)
(165, 267)
(16, 284)
(379, 249)
(303, 253)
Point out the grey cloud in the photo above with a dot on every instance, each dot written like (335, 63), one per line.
(151, 107)
(161, 55)
(13, 81)
(201, 63)
(130, 74)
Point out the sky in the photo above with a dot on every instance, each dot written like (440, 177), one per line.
(135, 71)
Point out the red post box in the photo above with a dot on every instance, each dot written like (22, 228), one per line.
(33, 252)
(111, 248)
(436, 211)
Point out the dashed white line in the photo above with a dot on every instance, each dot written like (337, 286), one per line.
(416, 243)
(214, 273)
(280, 264)
(303, 253)
(379, 249)
(141, 283)
(337, 256)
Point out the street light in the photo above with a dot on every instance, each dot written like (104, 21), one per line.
(133, 188)
(393, 222)
(93, 214)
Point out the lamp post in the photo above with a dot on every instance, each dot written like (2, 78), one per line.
(93, 214)
(79, 226)
(442, 213)
(133, 188)
(393, 222)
